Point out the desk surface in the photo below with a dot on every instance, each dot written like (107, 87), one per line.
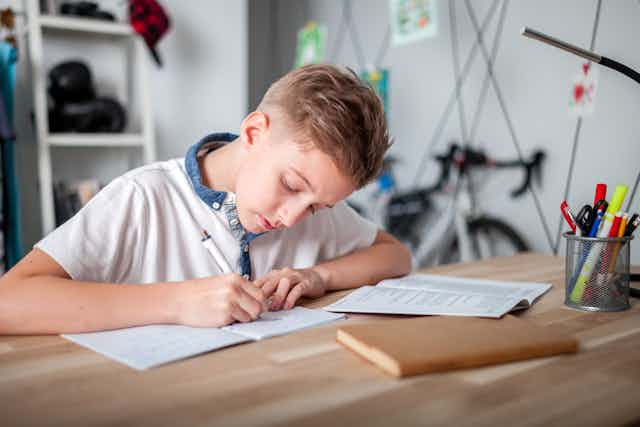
(307, 379)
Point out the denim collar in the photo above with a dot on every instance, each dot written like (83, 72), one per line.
(212, 198)
(208, 195)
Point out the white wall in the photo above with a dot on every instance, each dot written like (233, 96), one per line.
(535, 80)
(201, 88)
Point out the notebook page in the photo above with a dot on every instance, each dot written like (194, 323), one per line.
(144, 347)
(431, 295)
(274, 323)
(371, 299)
(528, 291)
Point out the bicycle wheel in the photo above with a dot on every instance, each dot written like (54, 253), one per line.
(489, 237)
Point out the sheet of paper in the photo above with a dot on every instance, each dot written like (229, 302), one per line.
(282, 322)
(148, 346)
(439, 295)
(520, 290)
(144, 347)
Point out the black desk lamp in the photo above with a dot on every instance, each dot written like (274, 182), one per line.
(591, 56)
(602, 60)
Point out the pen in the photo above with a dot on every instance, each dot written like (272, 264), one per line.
(207, 242)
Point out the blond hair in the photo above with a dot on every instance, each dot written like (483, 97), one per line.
(341, 115)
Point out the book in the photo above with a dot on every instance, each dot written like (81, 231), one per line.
(406, 347)
(424, 294)
(144, 347)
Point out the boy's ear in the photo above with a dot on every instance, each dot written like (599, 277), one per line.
(254, 128)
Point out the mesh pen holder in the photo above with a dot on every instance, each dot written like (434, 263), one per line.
(597, 273)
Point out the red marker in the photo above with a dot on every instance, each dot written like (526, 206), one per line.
(616, 225)
(564, 207)
(601, 193)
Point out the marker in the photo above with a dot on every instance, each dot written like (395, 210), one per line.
(594, 254)
(207, 242)
(623, 224)
(596, 224)
(618, 245)
(616, 225)
(632, 224)
(601, 193)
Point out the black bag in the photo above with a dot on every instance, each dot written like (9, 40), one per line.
(76, 108)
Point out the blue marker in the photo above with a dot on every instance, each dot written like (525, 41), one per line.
(596, 224)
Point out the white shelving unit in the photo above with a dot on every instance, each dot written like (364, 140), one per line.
(39, 26)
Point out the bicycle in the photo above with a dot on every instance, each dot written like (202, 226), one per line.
(459, 232)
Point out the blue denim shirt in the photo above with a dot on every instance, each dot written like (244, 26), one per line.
(218, 200)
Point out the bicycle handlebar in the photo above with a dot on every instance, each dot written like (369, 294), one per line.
(465, 158)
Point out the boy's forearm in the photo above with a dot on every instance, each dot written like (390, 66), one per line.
(385, 258)
(52, 305)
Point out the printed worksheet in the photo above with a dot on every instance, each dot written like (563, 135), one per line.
(144, 347)
(423, 294)
(282, 322)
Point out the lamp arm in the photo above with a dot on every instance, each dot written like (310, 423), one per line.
(607, 62)
(591, 56)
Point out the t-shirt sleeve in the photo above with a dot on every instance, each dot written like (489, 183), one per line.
(349, 231)
(103, 241)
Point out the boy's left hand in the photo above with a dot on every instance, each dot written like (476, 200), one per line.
(284, 287)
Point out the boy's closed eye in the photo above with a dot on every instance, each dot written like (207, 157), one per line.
(288, 186)
(291, 188)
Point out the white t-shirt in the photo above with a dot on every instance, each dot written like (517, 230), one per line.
(146, 227)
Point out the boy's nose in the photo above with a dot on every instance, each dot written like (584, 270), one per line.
(292, 214)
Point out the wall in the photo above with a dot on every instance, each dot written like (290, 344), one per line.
(535, 81)
(201, 88)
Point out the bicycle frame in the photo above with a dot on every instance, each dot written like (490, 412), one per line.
(456, 231)
(451, 224)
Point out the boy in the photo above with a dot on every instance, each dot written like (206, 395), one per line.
(271, 200)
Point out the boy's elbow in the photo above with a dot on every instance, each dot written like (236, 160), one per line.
(402, 258)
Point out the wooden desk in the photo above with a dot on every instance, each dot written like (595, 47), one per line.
(307, 379)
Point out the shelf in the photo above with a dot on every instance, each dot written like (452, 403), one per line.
(95, 140)
(86, 25)
(66, 33)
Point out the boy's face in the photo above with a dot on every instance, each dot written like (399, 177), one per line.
(280, 182)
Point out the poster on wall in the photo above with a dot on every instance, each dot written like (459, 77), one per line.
(312, 40)
(379, 80)
(583, 91)
(412, 20)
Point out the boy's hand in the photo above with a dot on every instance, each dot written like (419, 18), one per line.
(218, 301)
(286, 286)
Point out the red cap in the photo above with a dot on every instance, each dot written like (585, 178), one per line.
(601, 193)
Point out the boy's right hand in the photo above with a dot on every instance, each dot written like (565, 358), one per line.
(218, 301)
